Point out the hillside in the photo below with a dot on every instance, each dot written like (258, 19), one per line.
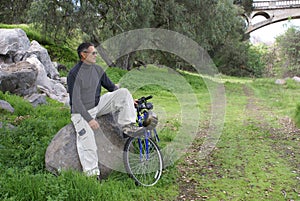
(255, 157)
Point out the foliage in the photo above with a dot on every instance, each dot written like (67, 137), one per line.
(241, 59)
(246, 4)
(212, 24)
(12, 12)
(215, 25)
(289, 51)
(255, 61)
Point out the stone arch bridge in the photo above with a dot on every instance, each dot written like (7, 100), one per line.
(273, 11)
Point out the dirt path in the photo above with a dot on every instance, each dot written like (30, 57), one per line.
(255, 111)
(287, 130)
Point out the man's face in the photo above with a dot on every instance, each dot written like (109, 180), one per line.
(89, 56)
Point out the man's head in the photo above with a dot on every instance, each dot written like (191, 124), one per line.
(87, 53)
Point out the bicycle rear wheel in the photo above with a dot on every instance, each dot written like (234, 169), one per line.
(143, 161)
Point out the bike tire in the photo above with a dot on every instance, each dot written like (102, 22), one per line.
(145, 169)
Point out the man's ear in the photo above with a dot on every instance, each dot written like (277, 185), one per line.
(82, 56)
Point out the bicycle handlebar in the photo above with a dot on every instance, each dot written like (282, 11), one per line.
(144, 99)
(142, 103)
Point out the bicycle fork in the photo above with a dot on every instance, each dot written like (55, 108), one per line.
(148, 134)
(141, 147)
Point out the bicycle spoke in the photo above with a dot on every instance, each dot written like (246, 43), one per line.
(145, 168)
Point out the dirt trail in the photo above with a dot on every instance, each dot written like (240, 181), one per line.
(287, 130)
(255, 110)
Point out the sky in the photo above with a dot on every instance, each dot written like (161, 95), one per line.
(268, 33)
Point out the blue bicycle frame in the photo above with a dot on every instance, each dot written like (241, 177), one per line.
(148, 133)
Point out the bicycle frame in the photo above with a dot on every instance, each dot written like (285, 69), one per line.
(148, 133)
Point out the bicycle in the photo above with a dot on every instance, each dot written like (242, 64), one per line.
(142, 157)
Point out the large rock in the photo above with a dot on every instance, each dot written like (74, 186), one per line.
(62, 153)
(13, 40)
(15, 48)
(297, 79)
(6, 106)
(36, 99)
(19, 78)
(53, 88)
(42, 54)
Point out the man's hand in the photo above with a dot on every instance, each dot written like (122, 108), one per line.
(94, 124)
(135, 102)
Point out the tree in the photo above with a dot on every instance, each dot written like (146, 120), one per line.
(211, 23)
(246, 4)
(289, 50)
(14, 12)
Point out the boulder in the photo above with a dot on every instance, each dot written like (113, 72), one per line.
(19, 78)
(13, 40)
(280, 81)
(61, 153)
(15, 49)
(53, 88)
(6, 106)
(297, 79)
(42, 54)
(36, 99)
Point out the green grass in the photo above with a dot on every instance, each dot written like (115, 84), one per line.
(250, 161)
(253, 160)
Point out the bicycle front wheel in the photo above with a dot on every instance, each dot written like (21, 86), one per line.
(143, 161)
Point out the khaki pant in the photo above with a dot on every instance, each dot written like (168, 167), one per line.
(120, 100)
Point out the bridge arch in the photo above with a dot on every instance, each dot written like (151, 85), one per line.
(273, 11)
(261, 13)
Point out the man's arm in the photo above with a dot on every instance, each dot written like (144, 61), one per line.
(107, 83)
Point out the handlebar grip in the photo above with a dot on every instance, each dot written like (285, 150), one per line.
(148, 97)
(143, 99)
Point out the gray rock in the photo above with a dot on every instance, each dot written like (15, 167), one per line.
(43, 56)
(297, 79)
(7, 126)
(6, 106)
(53, 88)
(36, 99)
(280, 81)
(15, 49)
(13, 40)
(18, 78)
(62, 153)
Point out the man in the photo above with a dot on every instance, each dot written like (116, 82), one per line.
(84, 86)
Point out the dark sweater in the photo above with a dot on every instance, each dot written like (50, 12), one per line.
(84, 87)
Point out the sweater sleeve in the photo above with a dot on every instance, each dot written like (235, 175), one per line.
(107, 83)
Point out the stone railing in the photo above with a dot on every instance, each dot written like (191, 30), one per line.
(261, 5)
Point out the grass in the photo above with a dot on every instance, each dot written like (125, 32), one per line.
(250, 161)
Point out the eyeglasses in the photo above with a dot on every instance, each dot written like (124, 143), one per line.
(93, 53)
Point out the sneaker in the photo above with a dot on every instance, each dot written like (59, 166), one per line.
(133, 131)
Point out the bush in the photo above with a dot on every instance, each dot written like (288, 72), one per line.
(240, 59)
